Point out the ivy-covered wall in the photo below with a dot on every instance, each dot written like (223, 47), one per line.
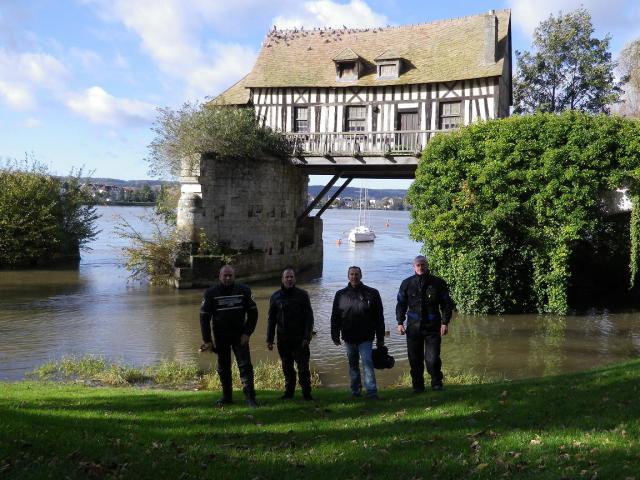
(507, 209)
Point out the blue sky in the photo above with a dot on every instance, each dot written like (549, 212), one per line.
(80, 79)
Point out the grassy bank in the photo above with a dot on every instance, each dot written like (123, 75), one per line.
(578, 426)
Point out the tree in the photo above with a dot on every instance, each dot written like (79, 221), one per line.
(629, 64)
(512, 216)
(43, 219)
(196, 129)
(568, 70)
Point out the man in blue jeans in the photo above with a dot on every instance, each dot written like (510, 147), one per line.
(357, 317)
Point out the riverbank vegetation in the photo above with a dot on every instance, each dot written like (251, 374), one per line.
(96, 370)
(196, 129)
(584, 425)
(513, 213)
(44, 220)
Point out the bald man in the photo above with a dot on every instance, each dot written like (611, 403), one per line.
(229, 312)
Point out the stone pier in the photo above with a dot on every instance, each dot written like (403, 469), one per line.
(250, 205)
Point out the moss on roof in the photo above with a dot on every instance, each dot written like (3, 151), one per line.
(236, 94)
(445, 50)
(346, 55)
(389, 54)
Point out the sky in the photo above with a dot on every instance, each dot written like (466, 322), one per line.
(80, 80)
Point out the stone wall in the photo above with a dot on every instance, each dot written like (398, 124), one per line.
(250, 205)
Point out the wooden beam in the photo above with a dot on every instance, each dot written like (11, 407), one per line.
(334, 196)
(316, 200)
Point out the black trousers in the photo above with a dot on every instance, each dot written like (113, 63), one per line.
(243, 359)
(424, 349)
(292, 351)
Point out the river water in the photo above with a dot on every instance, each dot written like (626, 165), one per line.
(45, 315)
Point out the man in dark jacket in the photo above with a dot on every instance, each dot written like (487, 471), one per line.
(291, 317)
(424, 300)
(357, 314)
(229, 311)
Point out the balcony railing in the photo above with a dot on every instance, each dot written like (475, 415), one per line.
(406, 142)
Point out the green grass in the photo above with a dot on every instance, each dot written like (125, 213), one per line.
(580, 426)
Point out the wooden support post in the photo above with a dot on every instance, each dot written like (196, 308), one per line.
(334, 196)
(316, 200)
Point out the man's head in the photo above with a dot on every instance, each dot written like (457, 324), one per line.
(288, 278)
(227, 275)
(355, 276)
(420, 265)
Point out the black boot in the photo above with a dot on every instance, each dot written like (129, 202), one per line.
(250, 397)
(306, 394)
(288, 393)
(227, 396)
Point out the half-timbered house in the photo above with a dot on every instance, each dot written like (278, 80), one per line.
(379, 92)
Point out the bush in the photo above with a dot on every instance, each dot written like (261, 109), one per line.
(501, 206)
(153, 257)
(198, 129)
(43, 219)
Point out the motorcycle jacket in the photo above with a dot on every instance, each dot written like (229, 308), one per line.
(290, 315)
(425, 302)
(229, 311)
(357, 313)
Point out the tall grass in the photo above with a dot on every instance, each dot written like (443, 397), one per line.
(168, 373)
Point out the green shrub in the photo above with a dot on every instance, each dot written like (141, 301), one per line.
(198, 129)
(502, 206)
(43, 219)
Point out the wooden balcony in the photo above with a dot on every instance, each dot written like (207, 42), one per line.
(360, 144)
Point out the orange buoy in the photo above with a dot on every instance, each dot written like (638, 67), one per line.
(338, 242)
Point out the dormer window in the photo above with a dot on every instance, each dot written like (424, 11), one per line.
(388, 64)
(347, 66)
(388, 70)
(347, 71)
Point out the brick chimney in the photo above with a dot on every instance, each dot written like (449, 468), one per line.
(490, 37)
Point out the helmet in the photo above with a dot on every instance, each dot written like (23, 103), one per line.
(382, 359)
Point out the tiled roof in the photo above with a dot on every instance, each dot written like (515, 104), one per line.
(389, 54)
(346, 54)
(236, 94)
(445, 50)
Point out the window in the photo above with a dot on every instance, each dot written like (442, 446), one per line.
(300, 119)
(449, 115)
(347, 71)
(355, 119)
(389, 70)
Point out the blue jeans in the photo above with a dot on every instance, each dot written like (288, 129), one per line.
(355, 352)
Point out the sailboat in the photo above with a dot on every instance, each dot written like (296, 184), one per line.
(362, 233)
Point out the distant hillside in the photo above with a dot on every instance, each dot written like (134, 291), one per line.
(354, 192)
(129, 183)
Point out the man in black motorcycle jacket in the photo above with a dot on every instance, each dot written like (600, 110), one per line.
(229, 311)
(425, 302)
(291, 318)
(357, 316)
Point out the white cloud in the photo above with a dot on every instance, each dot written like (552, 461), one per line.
(87, 59)
(621, 18)
(170, 33)
(229, 63)
(100, 107)
(327, 13)
(31, 123)
(23, 74)
(16, 96)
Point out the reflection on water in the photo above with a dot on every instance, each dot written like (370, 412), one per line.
(96, 310)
